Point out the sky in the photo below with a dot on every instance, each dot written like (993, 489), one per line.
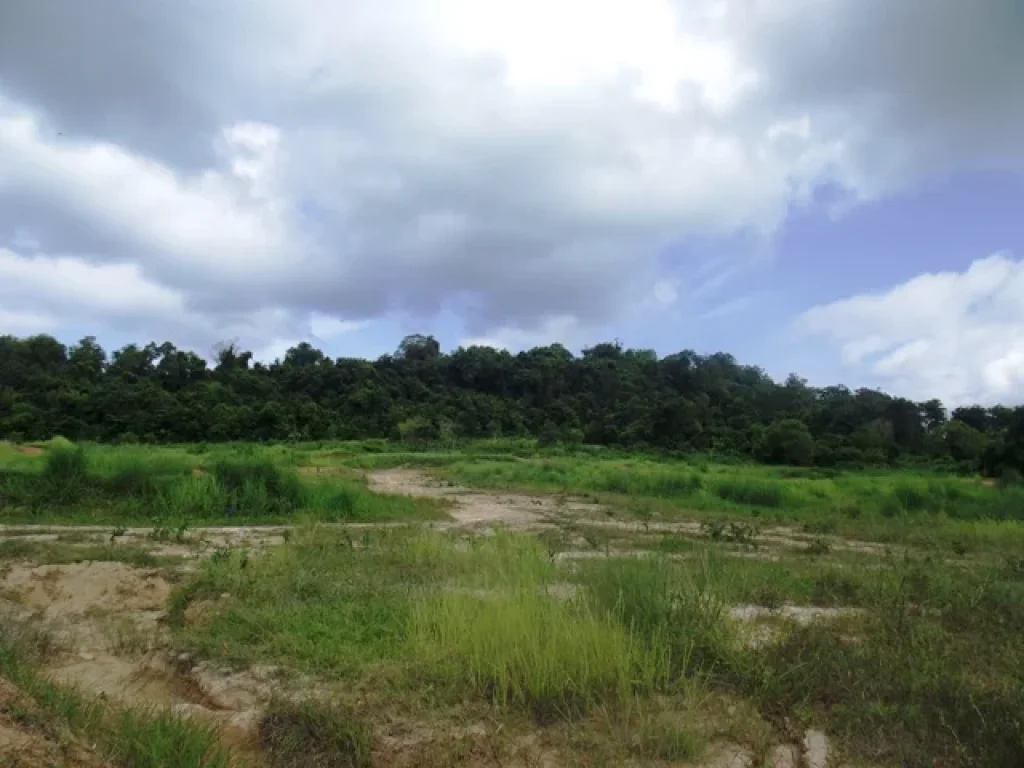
(828, 187)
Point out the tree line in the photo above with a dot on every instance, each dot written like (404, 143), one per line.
(608, 395)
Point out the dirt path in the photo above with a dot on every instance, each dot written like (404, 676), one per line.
(478, 508)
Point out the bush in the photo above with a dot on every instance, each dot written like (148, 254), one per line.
(755, 493)
(258, 487)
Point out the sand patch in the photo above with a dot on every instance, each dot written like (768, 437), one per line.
(477, 509)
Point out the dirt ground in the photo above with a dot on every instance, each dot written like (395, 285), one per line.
(107, 620)
(25, 743)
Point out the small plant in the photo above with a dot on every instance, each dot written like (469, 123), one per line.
(665, 741)
(817, 546)
(731, 532)
(314, 734)
(221, 555)
(769, 596)
(117, 533)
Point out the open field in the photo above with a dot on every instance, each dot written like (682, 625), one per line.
(363, 604)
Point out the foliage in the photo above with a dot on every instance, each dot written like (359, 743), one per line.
(608, 396)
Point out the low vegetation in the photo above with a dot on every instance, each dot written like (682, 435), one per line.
(698, 606)
(96, 484)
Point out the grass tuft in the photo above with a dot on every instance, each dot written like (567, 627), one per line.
(312, 735)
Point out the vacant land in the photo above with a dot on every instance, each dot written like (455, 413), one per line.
(363, 604)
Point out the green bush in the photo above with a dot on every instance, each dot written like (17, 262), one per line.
(752, 492)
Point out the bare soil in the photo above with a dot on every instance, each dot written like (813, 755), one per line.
(106, 620)
(26, 743)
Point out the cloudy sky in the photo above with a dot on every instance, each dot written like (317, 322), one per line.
(832, 187)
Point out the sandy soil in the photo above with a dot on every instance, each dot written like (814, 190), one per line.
(24, 743)
(106, 620)
(478, 509)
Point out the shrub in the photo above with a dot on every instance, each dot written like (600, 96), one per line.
(756, 493)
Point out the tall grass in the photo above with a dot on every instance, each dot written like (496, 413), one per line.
(669, 607)
(530, 650)
(99, 484)
(519, 646)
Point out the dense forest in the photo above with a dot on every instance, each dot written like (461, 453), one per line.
(608, 396)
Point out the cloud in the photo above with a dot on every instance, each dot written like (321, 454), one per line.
(267, 162)
(958, 336)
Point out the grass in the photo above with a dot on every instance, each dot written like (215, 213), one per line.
(311, 735)
(930, 665)
(324, 602)
(89, 484)
(902, 506)
(530, 650)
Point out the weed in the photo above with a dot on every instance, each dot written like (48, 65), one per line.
(313, 735)
(732, 532)
(817, 547)
(661, 740)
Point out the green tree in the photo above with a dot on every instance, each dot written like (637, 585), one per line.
(788, 442)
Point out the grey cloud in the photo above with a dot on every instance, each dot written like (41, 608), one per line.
(929, 84)
(380, 129)
(135, 72)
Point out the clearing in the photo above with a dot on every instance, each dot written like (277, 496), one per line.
(436, 623)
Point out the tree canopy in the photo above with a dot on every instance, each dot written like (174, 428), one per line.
(608, 395)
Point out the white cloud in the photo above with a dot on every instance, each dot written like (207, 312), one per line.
(562, 330)
(25, 323)
(958, 336)
(73, 285)
(265, 162)
(204, 221)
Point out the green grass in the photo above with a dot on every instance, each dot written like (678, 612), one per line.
(519, 646)
(933, 665)
(127, 738)
(90, 484)
(324, 602)
(897, 505)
